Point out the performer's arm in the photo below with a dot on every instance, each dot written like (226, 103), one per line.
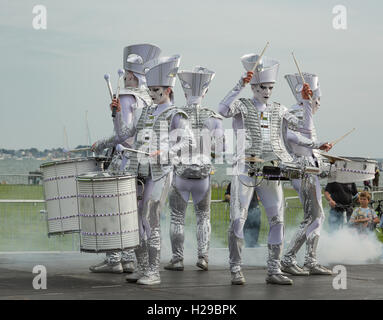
(184, 137)
(299, 139)
(217, 135)
(226, 108)
(125, 130)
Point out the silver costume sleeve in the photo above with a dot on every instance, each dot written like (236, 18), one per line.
(105, 143)
(123, 131)
(300, 140)
(304, 126)
(226, 107)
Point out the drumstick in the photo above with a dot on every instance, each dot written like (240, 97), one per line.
(342, 137)
(300, 73)
(260, 57)
(107, 79)
(121, 148)
(121, 73)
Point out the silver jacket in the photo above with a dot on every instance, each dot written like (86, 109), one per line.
(153, 133)
(197, 163)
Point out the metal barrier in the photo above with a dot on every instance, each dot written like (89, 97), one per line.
(32, 178)
(23, 225)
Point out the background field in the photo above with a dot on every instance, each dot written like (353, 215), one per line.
(23, 225)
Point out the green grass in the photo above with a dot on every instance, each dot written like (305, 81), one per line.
(21, 191)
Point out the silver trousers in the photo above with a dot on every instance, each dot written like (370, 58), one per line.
(271, 196)
(178, 200)
(309, 191)
(149, 210)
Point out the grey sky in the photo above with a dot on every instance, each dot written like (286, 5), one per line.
(51, 77)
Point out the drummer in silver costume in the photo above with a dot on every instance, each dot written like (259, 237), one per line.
(192, 173)
(259, 128)
(133, 96)
(308, 188)
(163, 131)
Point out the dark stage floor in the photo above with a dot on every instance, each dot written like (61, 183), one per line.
(68, 278)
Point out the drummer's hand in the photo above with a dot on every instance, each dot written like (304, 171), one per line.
(306, 92)
(248, 77)
(115, 104)
(155, 153)
(326, 147)
(332, 203)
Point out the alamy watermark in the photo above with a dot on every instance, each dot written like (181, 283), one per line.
(339, 21)
(39, 21)
(40, 281)
(340, 280)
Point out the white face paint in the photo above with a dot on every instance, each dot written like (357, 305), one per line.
(262, 91)
(130, 79)
(315, 104)
(158, 94)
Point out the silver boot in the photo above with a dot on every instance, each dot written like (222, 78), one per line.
(293, 269)
(106, 267)
(175, 265)
(150, 279)
(278, 279)
(311, 264)
(275, 275)
(202, 263)
(142, 262)
(237, 278)
(128, 266)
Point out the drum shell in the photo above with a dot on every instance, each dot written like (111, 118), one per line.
(108, 213)
(355, 170)
(60, 192)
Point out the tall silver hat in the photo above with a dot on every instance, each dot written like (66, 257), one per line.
(266, 71)
(195, 83)
(136, 55)
(296, 85)
(162, 71)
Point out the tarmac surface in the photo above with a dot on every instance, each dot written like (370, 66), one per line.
(68, 278)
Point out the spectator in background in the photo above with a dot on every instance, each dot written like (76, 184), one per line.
(340, 197)
(364, 218)
(375, 182)
(253, 221)
(367, 185)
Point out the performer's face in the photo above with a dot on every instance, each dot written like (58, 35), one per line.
(316, 103)
(130, 79)
(262, 91)
(159, 95)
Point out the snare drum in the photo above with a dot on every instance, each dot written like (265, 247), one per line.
(354, 170)
(60, 192)
(108, 212)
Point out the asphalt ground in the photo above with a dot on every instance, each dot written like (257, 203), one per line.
(68, 278)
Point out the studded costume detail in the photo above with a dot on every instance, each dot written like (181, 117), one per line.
(131, 99)
(308, 187)
(192, 173)
(268, 144)
(152, 130)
